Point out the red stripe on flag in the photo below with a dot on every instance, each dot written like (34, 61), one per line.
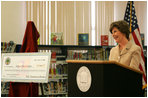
(144, 76)
(138, 43)
(138, 31)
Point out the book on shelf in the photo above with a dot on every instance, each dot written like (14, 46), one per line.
(45, 88)
(38, 41)
(104, 40)
(57, 87)
(57, 69)
(91, 54)
(56, 38)
(83, 39)
(5, 87)
(8, 47)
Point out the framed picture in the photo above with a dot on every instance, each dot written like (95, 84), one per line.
(83, 39)
(56, 38)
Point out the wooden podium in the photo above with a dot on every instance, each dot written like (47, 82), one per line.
(108, 79)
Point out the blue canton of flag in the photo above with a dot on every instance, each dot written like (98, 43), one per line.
(131, 15)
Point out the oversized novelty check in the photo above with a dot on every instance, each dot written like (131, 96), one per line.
(25, 67)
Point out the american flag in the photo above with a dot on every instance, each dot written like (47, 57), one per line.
(131, 19)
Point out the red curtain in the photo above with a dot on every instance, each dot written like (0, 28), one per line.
(29, 45)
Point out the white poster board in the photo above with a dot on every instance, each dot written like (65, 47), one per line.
(25, 67)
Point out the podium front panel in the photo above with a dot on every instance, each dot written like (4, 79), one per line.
(107, 80)
(121, 82)
(96, 88)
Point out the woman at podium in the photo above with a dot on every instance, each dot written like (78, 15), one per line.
(125, 52)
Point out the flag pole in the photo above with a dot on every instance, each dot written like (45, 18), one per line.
(130, 20)
(130, 16)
